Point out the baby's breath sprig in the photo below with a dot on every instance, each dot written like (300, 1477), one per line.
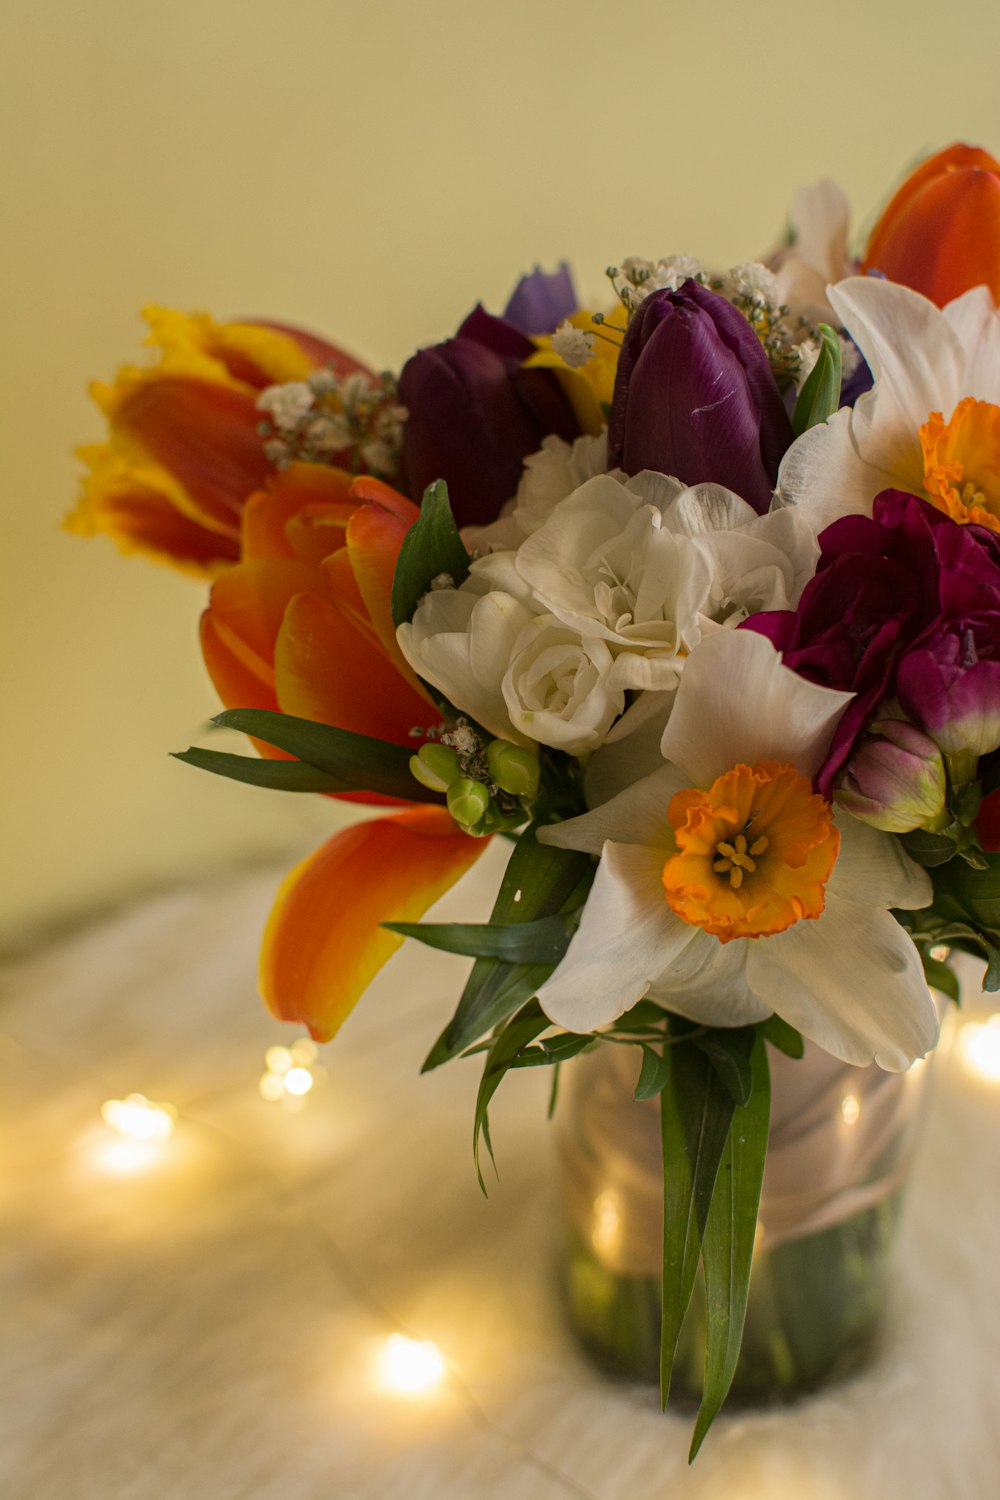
(354, 421)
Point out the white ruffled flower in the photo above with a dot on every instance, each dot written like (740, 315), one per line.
(555, 471)
(636, 571)
(932, 414)
(559, 687)
(728, 910)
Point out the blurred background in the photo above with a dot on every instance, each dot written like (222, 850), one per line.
(369, 172)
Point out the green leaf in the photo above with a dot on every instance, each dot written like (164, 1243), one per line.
(539, 881)
(543, 941)
(819, 397)
(940, 977)
(695, 1112)
(727, 1251)
(432, 546)
(278, 775)
(357, 760)
(653, 1074)
(928, 849)
(729, 1053)
(781, 1035)
(518, 1032)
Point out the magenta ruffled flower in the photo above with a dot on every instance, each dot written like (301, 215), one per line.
(905, 582)
(695, 397)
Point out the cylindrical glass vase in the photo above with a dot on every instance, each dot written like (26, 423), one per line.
(839, 1148)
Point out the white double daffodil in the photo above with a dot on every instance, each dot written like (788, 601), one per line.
(931, 423)
(728, 889)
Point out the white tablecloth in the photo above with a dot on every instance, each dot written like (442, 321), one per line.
(207, 1328)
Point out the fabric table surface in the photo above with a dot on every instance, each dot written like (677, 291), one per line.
(203, 1320)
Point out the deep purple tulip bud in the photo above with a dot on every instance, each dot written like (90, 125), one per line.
(695, 397)
(950, 686)
(895, 780)
(474, 415)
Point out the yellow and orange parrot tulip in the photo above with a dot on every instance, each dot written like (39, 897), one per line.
(184, 450)
(941, 232)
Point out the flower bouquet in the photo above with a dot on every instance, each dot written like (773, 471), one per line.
(694, 599)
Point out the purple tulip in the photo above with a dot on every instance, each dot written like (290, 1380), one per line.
(474, 415)
(895, 779)
(542, 300)
(695, 397)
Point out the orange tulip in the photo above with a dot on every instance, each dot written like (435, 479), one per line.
(184, 450)
(303, 623)
(941, 232)
(324, 941)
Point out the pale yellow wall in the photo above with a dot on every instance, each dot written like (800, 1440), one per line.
(369, 170)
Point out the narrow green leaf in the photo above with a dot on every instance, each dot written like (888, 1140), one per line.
(781, 1035)
(360, 762)
(543, 941)
(695, 1111)
(278, 775)
(727, 1251)
(539, 881)
(431, 547)
(518, 1032)
(729, 1053)
(652, 1075)
(819, 397)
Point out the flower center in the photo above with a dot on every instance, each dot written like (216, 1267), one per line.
(754, 852)
(962, 462)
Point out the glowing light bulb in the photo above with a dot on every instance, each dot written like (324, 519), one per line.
(136, 1118)
(850, 1109)
(410, 1367)
(298, 1081)
(980, 1046)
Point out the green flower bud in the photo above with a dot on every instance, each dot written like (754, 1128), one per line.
(435, 766)
(514, 769)
(468, 802)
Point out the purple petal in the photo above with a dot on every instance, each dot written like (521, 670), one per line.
(542, 300)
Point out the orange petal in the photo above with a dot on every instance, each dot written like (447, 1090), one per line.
(142, 518)
(374, 537)
(307, 494)
(203, 433)
(367, 487)
(323, 944)
(328, 670)
(941, 232)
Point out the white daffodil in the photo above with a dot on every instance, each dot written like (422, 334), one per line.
(728, 890)
(931, 423)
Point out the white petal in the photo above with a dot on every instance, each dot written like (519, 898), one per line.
(627, 936)
(631, 750)
(914, 355)
(851, 981)
(873, 868)
(976, 323)
(825, 477)
(705, 508)
(737, 704)
(707, 982)
(637, 815)
(820, 217)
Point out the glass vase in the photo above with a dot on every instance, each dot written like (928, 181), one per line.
(839, 1148)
